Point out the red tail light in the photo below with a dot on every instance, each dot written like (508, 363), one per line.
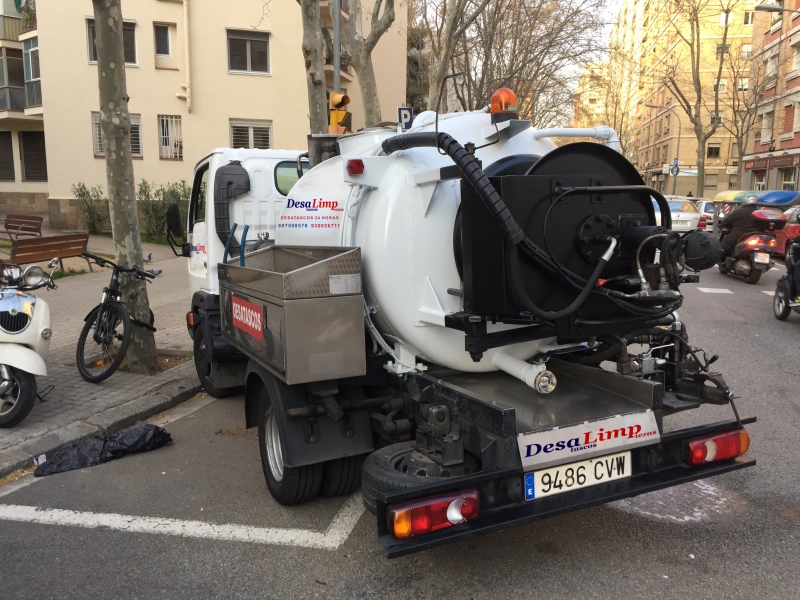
(702, 223)
(434, 513)
(355, 166)
(717, 446)
(753, 241)
(772, 243)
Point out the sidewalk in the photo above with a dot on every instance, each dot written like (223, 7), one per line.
(75, 408)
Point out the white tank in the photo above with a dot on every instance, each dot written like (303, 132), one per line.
(402, 217)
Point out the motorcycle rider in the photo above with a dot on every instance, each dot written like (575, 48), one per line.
(740, 222)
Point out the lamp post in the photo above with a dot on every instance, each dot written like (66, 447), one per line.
(774, 8)
(678, 149)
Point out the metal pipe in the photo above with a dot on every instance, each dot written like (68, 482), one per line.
(336, 13)
(187, 57)
(608, 135)
(534, 375)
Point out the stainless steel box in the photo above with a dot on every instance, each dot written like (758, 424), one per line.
(297, 311)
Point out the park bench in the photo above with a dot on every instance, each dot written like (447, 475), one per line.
(45, 248)
(23, 225)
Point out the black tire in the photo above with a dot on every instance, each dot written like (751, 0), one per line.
(24, 392)
(754, 274)
(203, 368)
(114, 317)
(379, 474)
(288, 485)
(780, 303)
(722, 268)
(341, 476)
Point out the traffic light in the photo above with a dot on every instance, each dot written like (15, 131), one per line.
(340, 119)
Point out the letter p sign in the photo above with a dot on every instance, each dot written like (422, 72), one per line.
(405, 115)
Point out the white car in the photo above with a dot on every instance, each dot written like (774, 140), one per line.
(685, 215)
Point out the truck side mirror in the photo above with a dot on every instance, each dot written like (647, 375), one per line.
(174, 225)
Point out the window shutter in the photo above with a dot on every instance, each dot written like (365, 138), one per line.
(240, 136)
(97, 136)
(788, 119)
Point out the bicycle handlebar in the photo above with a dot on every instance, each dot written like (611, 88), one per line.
(102, 262)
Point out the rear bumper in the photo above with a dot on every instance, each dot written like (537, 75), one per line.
(510, 515)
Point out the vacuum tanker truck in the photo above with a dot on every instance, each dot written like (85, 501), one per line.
(476, 326)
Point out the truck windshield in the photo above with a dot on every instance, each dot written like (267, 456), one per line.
(286, 175)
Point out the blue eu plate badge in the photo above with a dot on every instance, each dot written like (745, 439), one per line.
(530, 486)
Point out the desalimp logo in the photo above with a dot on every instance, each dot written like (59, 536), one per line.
(590, 439)
(314, 205)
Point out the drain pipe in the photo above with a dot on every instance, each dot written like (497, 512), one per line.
(608, 135)
(187, 59)
(535, 375)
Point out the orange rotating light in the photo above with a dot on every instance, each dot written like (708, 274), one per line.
(504, 105)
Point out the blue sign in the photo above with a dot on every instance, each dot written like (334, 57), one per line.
(530, 486)
(675, 163)
(405, 115)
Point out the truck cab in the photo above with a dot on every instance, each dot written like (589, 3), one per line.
(229, 186)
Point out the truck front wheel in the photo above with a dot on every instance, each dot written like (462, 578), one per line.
(288, 485)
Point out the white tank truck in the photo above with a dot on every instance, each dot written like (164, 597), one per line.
(444, 316)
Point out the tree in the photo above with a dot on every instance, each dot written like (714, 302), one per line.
(418, 59)
(360, 49)
(685, 70)
(313, 57)
(115, 123)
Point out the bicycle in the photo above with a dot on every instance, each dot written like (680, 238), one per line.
(106, 332)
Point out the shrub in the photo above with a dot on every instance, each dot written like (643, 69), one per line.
(94, 205)
(153, 209)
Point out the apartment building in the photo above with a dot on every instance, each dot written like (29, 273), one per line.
(646, 43)
(200, 75)
(773, 154)
(590, 96)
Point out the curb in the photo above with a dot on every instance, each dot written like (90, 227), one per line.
(111, 420)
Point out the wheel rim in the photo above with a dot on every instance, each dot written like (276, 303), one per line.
(780, 302)
(99, 349)
(200, 360)
(273, 443)
(9, 399)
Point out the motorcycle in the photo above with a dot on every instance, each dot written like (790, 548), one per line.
(781, 303)
(753, 252)
(24, 339)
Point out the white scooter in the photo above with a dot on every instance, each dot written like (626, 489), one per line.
(24, 338)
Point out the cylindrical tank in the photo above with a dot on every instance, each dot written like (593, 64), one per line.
(402, 216)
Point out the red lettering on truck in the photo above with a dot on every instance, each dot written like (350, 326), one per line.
(248, 317)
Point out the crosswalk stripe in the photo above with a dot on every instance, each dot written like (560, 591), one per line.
(715, 290)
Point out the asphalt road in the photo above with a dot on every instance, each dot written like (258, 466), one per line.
(142, 527)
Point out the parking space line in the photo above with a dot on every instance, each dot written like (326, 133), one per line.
(334, 536)
(715, 290)
(769, 292)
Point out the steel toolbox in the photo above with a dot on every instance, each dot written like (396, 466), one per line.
(297, 311)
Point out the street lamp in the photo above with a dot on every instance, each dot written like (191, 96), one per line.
(678, 149)
(774, 8)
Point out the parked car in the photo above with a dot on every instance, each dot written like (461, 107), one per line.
(706, 208)
(784, 237)
(685, 215)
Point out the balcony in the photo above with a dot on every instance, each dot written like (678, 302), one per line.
(10, 28)
(325, 12)
(12, 98)
(33, 93)
(28, 17)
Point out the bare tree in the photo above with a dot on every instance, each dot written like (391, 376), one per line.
(418, 59)
(115, 123)
(685, 70)
(314, 59)
(361, 48)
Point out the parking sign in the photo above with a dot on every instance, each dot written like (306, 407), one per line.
(405, 115)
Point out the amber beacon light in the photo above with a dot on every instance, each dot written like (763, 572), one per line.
(504, 105)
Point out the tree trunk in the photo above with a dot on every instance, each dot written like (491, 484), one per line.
(369, 91)
(115, 124)
(313, 48)
(438, 73)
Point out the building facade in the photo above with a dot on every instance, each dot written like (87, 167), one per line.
(200, 75)
(646, 44)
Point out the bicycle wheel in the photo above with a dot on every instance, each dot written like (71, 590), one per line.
(103, 342)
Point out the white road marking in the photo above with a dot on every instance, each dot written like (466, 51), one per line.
(330, 539)
(182, 410)
(715, 290)
(768, 292)
(689, 503)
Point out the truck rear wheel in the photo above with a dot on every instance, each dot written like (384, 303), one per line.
(399, 467)
(288, 485)
(341, 476)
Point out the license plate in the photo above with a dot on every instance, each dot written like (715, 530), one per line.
(577, 475)
(680, 222)
(761, 257)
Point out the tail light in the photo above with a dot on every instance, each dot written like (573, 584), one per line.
(717, 446)
(753, 241)
(355, 166)
(772, 243)
(423, 516)
(701, 224)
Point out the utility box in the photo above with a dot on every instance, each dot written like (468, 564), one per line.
(297, 311)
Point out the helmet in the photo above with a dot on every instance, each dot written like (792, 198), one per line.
(749, 199)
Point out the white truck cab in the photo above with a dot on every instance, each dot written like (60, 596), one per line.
(230, 186)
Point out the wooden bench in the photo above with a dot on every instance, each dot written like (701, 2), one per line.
(23, 225)
(45, 248)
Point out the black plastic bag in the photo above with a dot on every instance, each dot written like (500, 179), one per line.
(98, 448)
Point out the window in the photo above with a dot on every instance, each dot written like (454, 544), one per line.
(742, 84)
(788, 179)
(766, 128)
(6, 157)
(711, 181)
(712, 151)
(162, 40)
(720, 85)
(248, 51)
(771, 67)
(723, 49)
(748, 17)
(16, 72)
(733, 182)
(717, 118)
(286, 175)
(32, 156)
(734, 150)
(251, 135)
(788, 119)
(197, 210)
(747, 51)
(128, 41)
(723, 18)
(170, 142)
(98, 143)
(759, 181)
(30, 65)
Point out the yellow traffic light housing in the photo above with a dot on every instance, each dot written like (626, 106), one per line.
(338, 100)
(340, 119)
